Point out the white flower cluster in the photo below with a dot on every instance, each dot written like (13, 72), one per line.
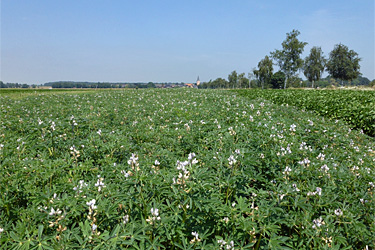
(91, 205)
(125, 219)
(74, 123)
(294, 186)
(54, 212)
(231, 131)
(226, 245)
(74, 151)
(305, 161)
(287, 170)
(196, 237)
(80, 186)
(184, 174)
(133, 162)
(293, 127)
(232, 160)
(53, 126)
(338, 212)
(318, 222)
(154, 216)
(318, 191)
(99, 183)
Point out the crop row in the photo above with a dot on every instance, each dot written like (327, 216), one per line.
(180, 169)
(357, 108)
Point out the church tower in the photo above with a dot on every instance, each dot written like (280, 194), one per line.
(198, 81)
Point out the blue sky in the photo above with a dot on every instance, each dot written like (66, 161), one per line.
(169, 40)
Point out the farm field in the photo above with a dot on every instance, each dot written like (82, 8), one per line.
(181, 169)
(356, 107)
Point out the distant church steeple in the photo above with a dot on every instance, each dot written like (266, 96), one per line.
(198, 81)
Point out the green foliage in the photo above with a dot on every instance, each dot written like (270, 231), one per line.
(233, 79)
(343, 63)
(288, 59)
(264, 71)
(314, 65)
(277, 80)
(354, 107)
(116, 170)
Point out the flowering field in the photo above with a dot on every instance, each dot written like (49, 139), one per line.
(180, 169)
(356, 107)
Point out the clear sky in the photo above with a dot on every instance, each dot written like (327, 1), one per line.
(169, 40)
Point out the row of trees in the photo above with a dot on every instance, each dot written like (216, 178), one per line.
(101, 85)
(14, 85)
(342, 64)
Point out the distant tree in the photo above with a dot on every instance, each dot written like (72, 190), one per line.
(232, 79)
(360, 81)
(24, 86)
(264, 71)
(372, 83)
(277, 80)
(343, 63)
(288, 59)
(251, 77)
(151, 85)
(314, 65)
(243, 82)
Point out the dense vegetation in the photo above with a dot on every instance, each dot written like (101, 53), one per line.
(357, 108)
(180, 169)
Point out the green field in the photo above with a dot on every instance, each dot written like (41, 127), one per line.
(182, 169)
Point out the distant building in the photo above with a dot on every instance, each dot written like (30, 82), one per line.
(189, 85)
(198, 81)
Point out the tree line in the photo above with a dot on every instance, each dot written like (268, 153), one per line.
(342, 65)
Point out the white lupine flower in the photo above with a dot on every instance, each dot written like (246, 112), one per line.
(305, 161)
(155, 212)
(155, 215)
(324, 168)
(99, 132)
(81, 185)
(133, 159)
(319, 191)
(156, 163)
(94, 227)
(233, 204)
(237, 151)
(293, 127)
(1, 230)
(53, 211)
(99, 183)
(321, 156)
(91, 204)
(318, 222)
(232, 160)
(226, 219)
(195, 234)
(125, 219)
(338, 212)
(295, 187)
(287, 170)
(126, 174)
